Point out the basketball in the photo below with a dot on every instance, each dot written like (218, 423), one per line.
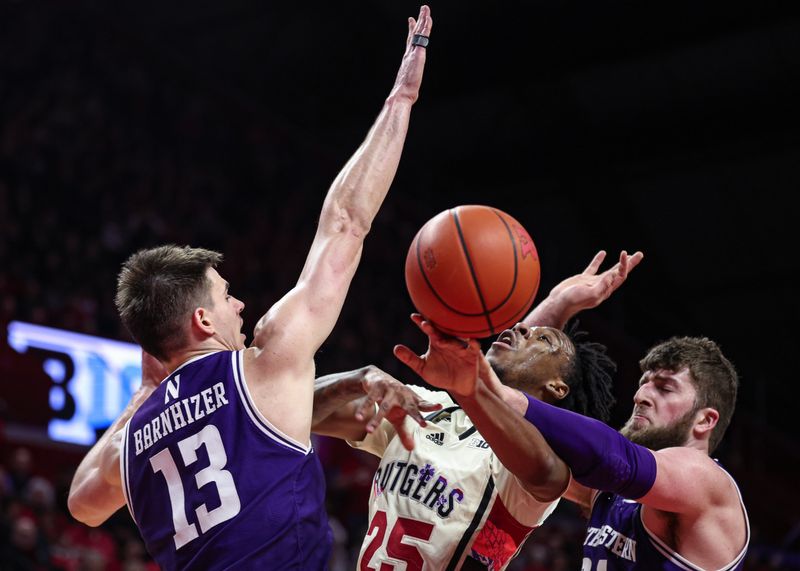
(472, 271)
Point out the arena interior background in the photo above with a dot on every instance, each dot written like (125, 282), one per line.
(669, 127)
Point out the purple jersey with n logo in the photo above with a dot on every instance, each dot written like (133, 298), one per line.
(213, 485)
(617, 540)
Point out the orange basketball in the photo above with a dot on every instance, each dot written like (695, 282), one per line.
(473, 271)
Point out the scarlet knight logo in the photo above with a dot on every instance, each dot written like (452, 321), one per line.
(525, 243)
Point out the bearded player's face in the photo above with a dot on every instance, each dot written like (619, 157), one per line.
(664, 409)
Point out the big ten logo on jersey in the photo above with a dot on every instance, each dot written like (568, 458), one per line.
(91, 378)
(420, 483)
(478, 443)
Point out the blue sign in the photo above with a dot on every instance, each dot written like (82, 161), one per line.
(93, 378)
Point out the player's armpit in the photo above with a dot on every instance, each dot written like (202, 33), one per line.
(579, 494)
(297, 325)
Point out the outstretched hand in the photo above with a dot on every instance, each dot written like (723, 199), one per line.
(395, 401)
(409, 77)
(450, 363)
(589, 289)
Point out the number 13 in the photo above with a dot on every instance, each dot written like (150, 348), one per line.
(223, 480)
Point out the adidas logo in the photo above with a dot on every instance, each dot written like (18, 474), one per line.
(436, 438)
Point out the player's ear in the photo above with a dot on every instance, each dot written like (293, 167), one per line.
(201, 320)
(705, 420)
(557, 389)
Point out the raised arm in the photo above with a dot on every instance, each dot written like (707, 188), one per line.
(582, 291)
(96, 489)
(297, 325)
(459, 367)
(280, 367)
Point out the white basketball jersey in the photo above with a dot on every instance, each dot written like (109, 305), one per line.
(447, 499)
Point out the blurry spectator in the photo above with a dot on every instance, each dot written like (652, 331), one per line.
(20, 470)
(25, 549)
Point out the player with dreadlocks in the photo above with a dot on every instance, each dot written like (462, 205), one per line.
(441, 496)
(657, 499)
(590, 387)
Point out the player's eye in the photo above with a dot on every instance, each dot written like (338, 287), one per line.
(546, 339)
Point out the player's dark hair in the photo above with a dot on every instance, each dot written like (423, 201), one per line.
(714, 376)
(589, 377)
(157, 291)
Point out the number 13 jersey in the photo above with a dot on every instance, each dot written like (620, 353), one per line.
(212, 484)
(448, 499)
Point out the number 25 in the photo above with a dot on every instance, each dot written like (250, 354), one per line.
(396, 549)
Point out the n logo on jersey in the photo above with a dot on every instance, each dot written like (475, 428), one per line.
(436, 438)
(173, 389)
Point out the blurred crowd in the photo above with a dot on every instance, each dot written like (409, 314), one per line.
(100, 156)
(37, 534)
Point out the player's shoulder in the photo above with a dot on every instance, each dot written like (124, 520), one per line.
(262, 365)
(702, 470)
(686, 456)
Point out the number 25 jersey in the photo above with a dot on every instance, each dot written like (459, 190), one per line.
(211, 484)
(448, 499)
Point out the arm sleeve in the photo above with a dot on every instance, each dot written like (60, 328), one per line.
(598, 456)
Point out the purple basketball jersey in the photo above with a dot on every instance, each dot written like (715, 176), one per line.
(213, 485)
(616, 540)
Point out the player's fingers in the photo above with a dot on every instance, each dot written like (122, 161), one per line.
(434, 335)
(634, 260)
(429, 329)
(414, 409)
(426, 406)
(408, 358)
(412, 23)
(424, 21)
(623, 264)
(373, 423)
(596, 262)
(366, 408)
(405, 436)
(411, 410)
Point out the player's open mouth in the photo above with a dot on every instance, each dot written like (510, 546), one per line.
(506, 339)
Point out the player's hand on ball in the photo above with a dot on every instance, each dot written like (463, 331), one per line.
(451, 363)
(395, 401)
